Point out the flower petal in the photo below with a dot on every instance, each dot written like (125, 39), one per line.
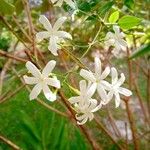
(63, 34)
(53, 82)
(121, 80)
(35, 91)
(105, 73)
(30, 80)
(59, 3)
(45, 22)
(114, 75)
(83, 86)
(117, 99)
(91, 90)
(102, 93)
(116, 29)
(97, 67)
(53, 46)
(124, 91)
(48, 93)
(87, 75)
(33, 69)
(59, 23)
(48, 68)
(74, 100)
(42, 35)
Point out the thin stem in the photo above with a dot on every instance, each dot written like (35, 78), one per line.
(10, 143)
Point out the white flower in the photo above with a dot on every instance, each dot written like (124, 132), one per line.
(97, 78)
(42, 80)
(116, 40)
(60, 2)
(115, 89)
(52, 33)
(86, 112)
(84, 104)
(86, 92)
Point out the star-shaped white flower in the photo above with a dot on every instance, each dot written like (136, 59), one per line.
(85, 112)
(86, 92)
(97, 78)
(52, 33)
(115, 89)
(116, 39)
(42, 80)
(60, 2)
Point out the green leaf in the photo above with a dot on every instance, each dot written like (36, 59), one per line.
(6, 8)
(127, 22)
(129, 3)
(141, 51)
(114, 17)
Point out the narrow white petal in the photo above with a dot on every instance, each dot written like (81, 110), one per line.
(106, 85)
(97, 67)
(105, 73)
(35, 91)
(97, 108)
(90, 116)
(45, 22)
(93, 104)
(59, 23)
(87, 75)
(116, 29)
(53, 46)
(48, 93)
(48, 68)
(63, 34)
(83, 121)
(123, 43)
(70, 3)
(83, 86)
(124, 91)
(109, 35)
(42, 35)
(74, 100)
(30, 80)
(121, 80)
(91, 90)
(53, 82)
(102, 93)
(110, 95)
(117, 99)
(114, 75)
(33, 69)
(81, 117)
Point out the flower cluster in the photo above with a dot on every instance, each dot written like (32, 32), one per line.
(84, 103)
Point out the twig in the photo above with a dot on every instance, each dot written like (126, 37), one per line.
(5, 54)
(10, 143)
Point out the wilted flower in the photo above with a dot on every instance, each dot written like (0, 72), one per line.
(115, 89)
(42, 80)
(97, 78)
(117, 40)
(52, 33)
(60, 2)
